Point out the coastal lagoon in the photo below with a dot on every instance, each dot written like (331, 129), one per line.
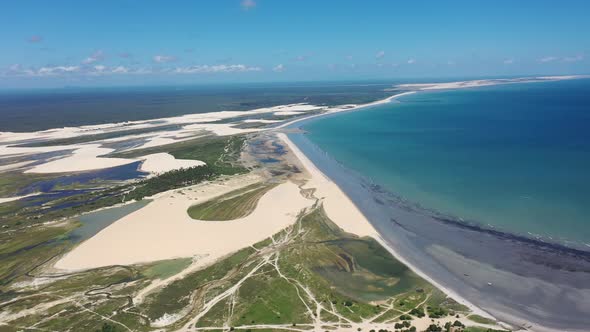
(437, 173)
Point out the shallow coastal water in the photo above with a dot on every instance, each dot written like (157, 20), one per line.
(96, 221)
(504, 270)
(512, 157)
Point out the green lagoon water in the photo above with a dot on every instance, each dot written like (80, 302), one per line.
(514, 157)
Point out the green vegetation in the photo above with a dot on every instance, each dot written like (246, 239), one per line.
(219, 153)
(24, 251)
(26, 243)
(481, 329)
(12, 182)
(173, 297)
(480, 319)
(167, 268)
(233, 205)
(312, 270)
(342, 272)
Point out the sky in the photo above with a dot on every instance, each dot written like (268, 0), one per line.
(140, 42)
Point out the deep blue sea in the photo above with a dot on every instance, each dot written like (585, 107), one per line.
(511, 157)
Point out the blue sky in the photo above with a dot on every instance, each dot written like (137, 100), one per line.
(124, 42)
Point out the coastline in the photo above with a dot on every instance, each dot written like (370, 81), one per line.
(541, 288)
(540, 320)
(349, 216)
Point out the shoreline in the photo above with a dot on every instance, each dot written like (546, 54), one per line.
(503, 311)
(315, 173)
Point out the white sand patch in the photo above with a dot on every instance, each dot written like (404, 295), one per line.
(163, 230)
(155, 141)
(222, 129)
(480, 83)
(346, 108)
(15, 198)
(283, 113)
(7, 138)
(85, 158)
(158, 163)
(17, 151)
(4, 168)
(260, 121)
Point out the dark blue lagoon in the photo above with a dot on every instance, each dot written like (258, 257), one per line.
(513, 157)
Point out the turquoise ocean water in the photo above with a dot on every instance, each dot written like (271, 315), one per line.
(512, 157)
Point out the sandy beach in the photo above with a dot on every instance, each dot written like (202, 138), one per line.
(481, 83)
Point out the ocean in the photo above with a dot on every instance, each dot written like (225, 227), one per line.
(508, 157)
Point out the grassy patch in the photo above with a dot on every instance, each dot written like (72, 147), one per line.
(25, 249)
(279, 281)
(233, 205)
(176, 295)
(480, 319)
(12, 182)
(481, 329)
(357, 267)
(167, 268)
(219, 153)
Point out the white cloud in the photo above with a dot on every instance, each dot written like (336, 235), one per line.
(44, 71)
(102, 70)
(411, 61)
(120, 70)
(94, 57)
(164, 58)
(248, 4)
(508, 61)
(380, 54)
(575, 58)
(349, 57)
(278, 68)
(215, 69)
(547, 59)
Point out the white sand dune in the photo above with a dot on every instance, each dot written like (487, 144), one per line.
(480, 83)
(163, 229)
(15, 198)
(9, 167)
(202, 119)
(164, 162)
(85, 158)
(284, 113)
(260, 121)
